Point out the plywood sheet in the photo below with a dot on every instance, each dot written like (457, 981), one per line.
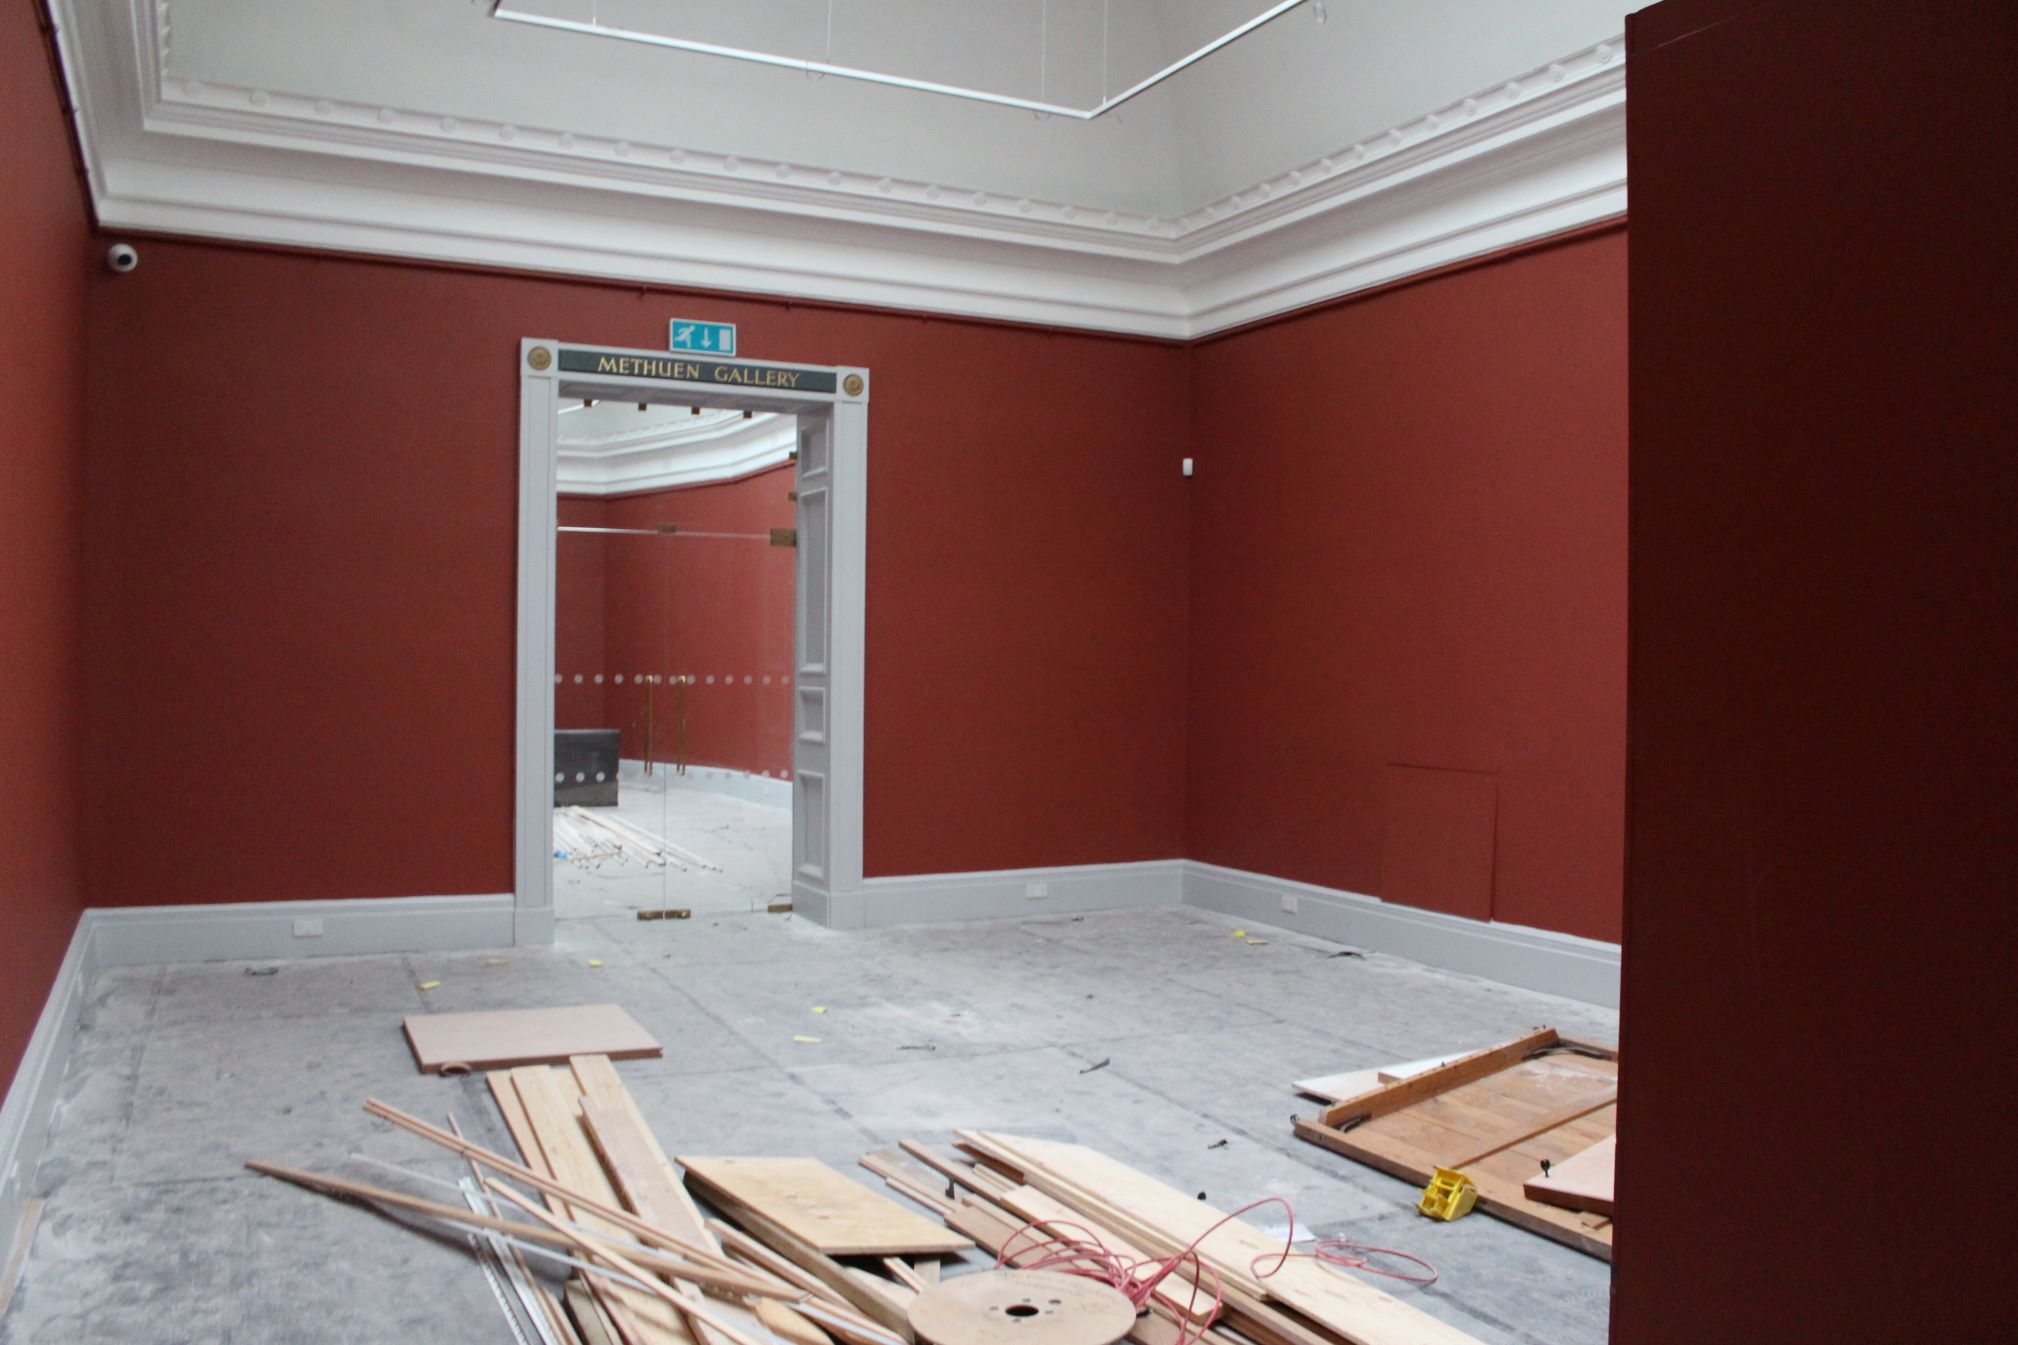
(501, 1039)
(1581, 1182)
(821, 1207)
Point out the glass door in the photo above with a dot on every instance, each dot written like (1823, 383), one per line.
(673, 728)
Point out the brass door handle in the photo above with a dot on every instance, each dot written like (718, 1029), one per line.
(680, 747)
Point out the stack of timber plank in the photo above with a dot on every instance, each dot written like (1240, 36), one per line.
(1000, 1185)
(800, 1256)
(659, 1249)
(1505, 1117)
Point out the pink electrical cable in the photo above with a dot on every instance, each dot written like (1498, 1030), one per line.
(1093, 1259)
(1138, 1278)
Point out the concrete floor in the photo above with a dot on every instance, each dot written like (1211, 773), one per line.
(749, 843)
(155, 1233)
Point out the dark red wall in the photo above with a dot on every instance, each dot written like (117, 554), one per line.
(1408, 550)
(43, 272)
(302, 555)
(715, 608)
(1823, 842)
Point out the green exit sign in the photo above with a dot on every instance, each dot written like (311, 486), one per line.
(713, 338)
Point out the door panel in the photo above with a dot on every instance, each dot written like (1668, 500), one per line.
(812, 597)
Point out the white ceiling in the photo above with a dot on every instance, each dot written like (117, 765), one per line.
(1307, 157)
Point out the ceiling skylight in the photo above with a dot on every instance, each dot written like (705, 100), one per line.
(1067, 58)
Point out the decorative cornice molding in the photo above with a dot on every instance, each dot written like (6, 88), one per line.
(173, 102)
(624, 464)
(1580, 84)
(1535, 154)
(707, 426)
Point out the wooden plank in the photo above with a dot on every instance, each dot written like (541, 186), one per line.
(612, 1262)
(651, 1189)
(598, 1078)
(558, 1321)
(910, 1179)
(506, 1095)
(956, 1173)
(821, 1207)
(1403, 1092)
(1583, 1182)
(552, 1106)
(519, 1172)
(501, 1039)
(899, 1296)
(731, 1281)
(1351, 1083)
(1539, 1125)
(591, 1321)
(646, 1187)
(773, 1243)
(644, 1180)
(1165, 1219)
(791, 1326)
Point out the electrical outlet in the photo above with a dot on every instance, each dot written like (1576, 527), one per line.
(308, 929)
(1289, 904)
(1036, 891)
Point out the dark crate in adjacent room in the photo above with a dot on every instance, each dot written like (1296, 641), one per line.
(585, 767)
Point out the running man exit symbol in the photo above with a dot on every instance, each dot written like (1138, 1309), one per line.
(715, 338)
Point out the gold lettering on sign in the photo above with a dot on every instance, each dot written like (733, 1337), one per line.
(645, 366)
(757, 378)
(640, 366)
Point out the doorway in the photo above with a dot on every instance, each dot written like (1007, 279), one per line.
(711, 513)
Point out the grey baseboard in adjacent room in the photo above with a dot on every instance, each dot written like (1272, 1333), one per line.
(1535, 959)
(1068, 889)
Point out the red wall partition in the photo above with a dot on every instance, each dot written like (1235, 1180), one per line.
(301, 604)
(1824, 736)
(710, 601)
(1408, 592)
(43, 274)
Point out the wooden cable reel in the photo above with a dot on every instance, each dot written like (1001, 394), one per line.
(1021, 1307)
